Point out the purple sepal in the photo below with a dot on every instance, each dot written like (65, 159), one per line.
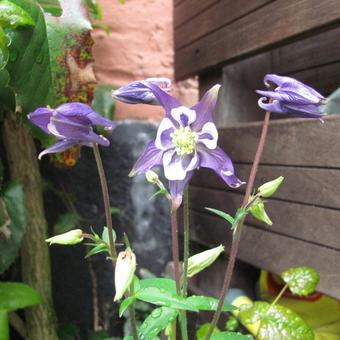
(176, 189)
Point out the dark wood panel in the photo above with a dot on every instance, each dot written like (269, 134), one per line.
(188, 9)
(270, 251)
(298, 142)
(219, 14)
(270, 25)
(314, 186)
(316, 225)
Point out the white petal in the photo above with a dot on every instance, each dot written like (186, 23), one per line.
(173, 168)
(53, 129)
(182, 110)
(165, 124)
(209, 128)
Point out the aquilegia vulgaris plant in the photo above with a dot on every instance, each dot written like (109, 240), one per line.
(186, 140)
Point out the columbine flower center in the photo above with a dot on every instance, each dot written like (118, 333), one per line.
(184, 140)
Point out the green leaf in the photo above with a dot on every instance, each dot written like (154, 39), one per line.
(13, 16)
(4, 52)
(202, 331)
(102, 100)
(333, 103)
(66, 222)
(301, 280)
(233, 336)
(94, 9)
(51, 6)
(29, 62)
(14, 210)
(14, 295)
(208, 303)
(105, 235)
(125, 304)
(161, 283)
(100, 248)
(115, 211)
(222, 214)
(156, 322)
(277, 322)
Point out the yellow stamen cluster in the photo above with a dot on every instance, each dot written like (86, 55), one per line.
(184, 140)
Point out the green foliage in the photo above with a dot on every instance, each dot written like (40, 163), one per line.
(232, 336)
(268, 189)
(13, 16)
(51, 6)
(95, 10)
(102, 244)
(276, 322)
(14, 295)
(208, 303)
(301, 280)
(102, 100)
(222, 214)
(203, 331)
(232, 323)
(4, 53)
(66, 222)
(156, 322)
(12, 223)
(258, 211)
(125, 305)
(333, 103)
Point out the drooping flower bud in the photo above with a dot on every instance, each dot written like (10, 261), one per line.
(151, 177)
(70, 238)
(203, 260)
(124, 272)
(269, 188)
(257, 210)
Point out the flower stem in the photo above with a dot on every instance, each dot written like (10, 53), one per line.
(175, 252)
(239, 227)
(186, 234)
(132, 314)
(106, 199)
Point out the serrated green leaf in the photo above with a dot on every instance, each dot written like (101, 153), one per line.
(13, 16)
(231, 336)
(105, 235)
(208, 303)
(156, 322)
(14, 295)
(222, 214)
(66, 222)
(4, 52)
(51, 6)
(301, 280)
(276, 322)
(125, 304)
(202, 331)
(13, 198)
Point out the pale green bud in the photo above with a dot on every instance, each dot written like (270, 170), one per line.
(71, 237)
(151, 177)
(269, 188)
(203, 260)
(124, 272)
(257, 210)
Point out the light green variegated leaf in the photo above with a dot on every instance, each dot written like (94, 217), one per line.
(156, 322)
(277, 322)
(14, 295)
(232, 336)
(13, 16)
(208, 303)
(13, 224)
(301, 280)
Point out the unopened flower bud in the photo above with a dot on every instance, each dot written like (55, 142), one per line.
(269, 188)
(124, 272)
(257, 210)
(151, 177)
(203, 260)
(71, 237)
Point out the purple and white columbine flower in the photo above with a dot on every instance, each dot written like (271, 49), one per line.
(70, 123)
(186, 140)
(291, 97)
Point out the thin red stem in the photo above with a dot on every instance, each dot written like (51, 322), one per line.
(238, 232)
(175, 251)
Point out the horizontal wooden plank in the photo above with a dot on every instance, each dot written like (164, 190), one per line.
(187, 9)
(271, 252)
(308, 223)
(216, 15)
(270, 25)
(296, 142)
(312, 186)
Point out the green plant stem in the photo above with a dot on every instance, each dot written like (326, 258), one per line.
(175, 252)
(239, 228)
(4, 325)
(113, 252)
(106, 199)
(132, 314)
(186, 234)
